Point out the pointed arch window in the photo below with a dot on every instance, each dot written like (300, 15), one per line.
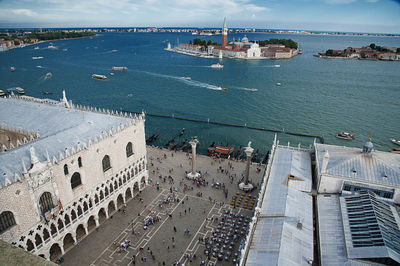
(46, 202)
(65, 169)
(6, 221)
(129, 149)
(106, 163)
(79, 162)
(76, 180)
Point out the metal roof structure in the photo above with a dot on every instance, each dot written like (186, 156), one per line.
(378, 167)
(283, 233)
(369, 243)
(62, 131)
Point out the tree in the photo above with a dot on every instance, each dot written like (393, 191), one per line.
(329, 52)
(398, 50)
(16, 43)
(372, 45)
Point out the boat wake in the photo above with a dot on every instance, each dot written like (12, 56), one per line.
(188, 81)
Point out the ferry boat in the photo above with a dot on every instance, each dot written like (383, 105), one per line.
(395, 150)
(2, 94)
(37, 57)
(395, 141)
(345, 135)
(96, 76)
(217, 65)
(124, 68)
(12, 69)
(20, 91)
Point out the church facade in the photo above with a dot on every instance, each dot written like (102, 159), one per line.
(82, 165)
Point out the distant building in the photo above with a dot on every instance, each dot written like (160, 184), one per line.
(70, 168)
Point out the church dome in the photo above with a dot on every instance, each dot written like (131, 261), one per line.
(368, 146)
(244, 39)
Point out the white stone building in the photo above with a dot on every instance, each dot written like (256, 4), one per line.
(348, 170)
(83, 165)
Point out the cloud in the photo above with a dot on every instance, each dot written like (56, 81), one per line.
(372, 1)
(25, 12)
(339, 1)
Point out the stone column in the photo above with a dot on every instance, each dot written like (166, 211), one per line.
(193, 174)
(245, 185)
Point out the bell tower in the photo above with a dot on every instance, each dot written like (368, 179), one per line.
(224, 40)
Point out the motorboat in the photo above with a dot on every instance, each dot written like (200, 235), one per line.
(217, 65)
(47, 92)
(111, 74)
(224, 89)
(36, 48)
(2, 94)
(39, 66)
(278, 84)
(12, 69)
(130, 95)
(123, 68)
(345, 135)
(187, 78)
(114, 51)
(395, 150)
(395, 141)
(20, 91)
(37, 57)
(277, 65)
(252, 89)
(49, 75)
(51, 47)
(96, 76)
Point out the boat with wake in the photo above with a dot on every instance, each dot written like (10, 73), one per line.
(345, 135)
(217, 65)
(20, 91)
(116, 68)
(252, 89)
(97, 76)
(49, 75)
(187, 78)
(37, 57)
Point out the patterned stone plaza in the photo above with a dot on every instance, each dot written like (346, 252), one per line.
(198, 212)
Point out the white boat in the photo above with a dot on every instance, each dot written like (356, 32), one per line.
(111, 74)
(2, 94)
(51, 47)
(20, 90)
(345, 135)
(124, 68)
(12, 69)
(96, 76)
(188, 78)
(39, 66)
(395, 150)
(36, 48)
(37, 57)
(278, 84)
(277, 65)
(217, 65)
(49, 75)
(395, 141)
(252, 89)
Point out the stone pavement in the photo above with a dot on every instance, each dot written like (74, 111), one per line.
(192, 212)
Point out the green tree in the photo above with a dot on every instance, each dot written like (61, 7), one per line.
(329, 52)
(16, 43)
(372, 45)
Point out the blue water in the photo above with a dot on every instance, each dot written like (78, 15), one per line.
(317, 96)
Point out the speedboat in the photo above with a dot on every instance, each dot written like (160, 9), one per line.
(395, 141)
(51, 47)
(96, 76)
(12, 69)
(217, 65)
(49, 75)
(224, 89)
(111, 74)
(2, 94)
(187, 78)
(37, 57)
(116, 68)
(345, 135)
(130, 95)
(36, 48)
(395, 150)
(20, 91)
(278, 84)
(251, 89)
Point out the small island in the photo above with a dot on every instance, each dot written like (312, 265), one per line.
(19, 39)
(241, 48)
(371, 52)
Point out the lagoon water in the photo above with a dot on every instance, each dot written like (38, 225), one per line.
(317, 96)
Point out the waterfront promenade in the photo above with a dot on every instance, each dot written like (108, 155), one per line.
(198, 212)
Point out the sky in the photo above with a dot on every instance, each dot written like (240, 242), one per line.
(373, 16)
